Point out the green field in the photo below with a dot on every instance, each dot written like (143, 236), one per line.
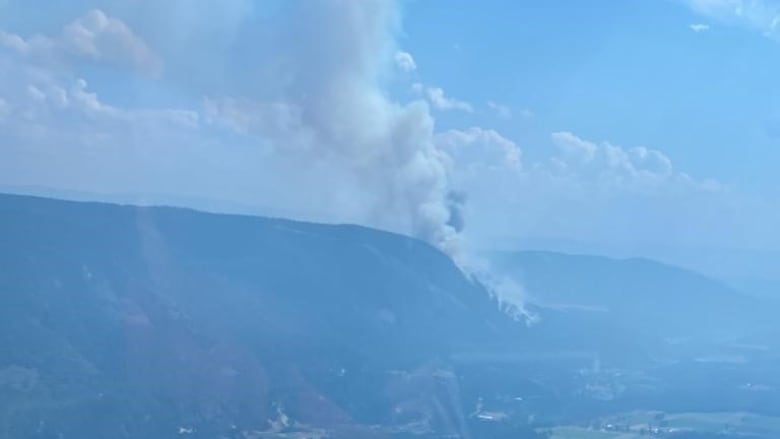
(570, 432)
(636, 422)
(736, 422)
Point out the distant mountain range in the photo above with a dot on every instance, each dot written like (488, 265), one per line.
(124, 321)
(639, 293)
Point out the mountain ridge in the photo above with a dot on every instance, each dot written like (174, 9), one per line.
(214, 320)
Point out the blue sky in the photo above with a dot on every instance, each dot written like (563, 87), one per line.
(632, 128)
(629, 72)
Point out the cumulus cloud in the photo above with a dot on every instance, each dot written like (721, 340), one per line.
(591, 193)
(62, 119)
(405, 62)
(505, 112)
(502, 111)
(760, 15)
(58, 101)
(4, 109)
(98, 36)
(94, 36)
(611, 165)
(479, 146)
(25, 46)
(59, 133)
(699, 27)
(441, 101)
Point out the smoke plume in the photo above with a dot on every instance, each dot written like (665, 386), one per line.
(330, 112)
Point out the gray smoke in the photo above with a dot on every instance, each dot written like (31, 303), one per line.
(456, 200)
(334, 126)
(333, 116)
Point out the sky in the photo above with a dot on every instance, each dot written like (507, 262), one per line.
(629, 128)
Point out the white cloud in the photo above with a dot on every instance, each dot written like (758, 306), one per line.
(405, 62)
(440, 101)
(480, 146)
(98, 36)
(5, 109)
(760, 15)
(502, 111)
(35, 93)
(35, 44)
(589, 191)
(610, 164)
(505, 112)
(95, 36)
(699, 27)
(574, 148)
(55, 105)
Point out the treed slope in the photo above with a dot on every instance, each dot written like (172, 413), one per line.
(172, 316)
